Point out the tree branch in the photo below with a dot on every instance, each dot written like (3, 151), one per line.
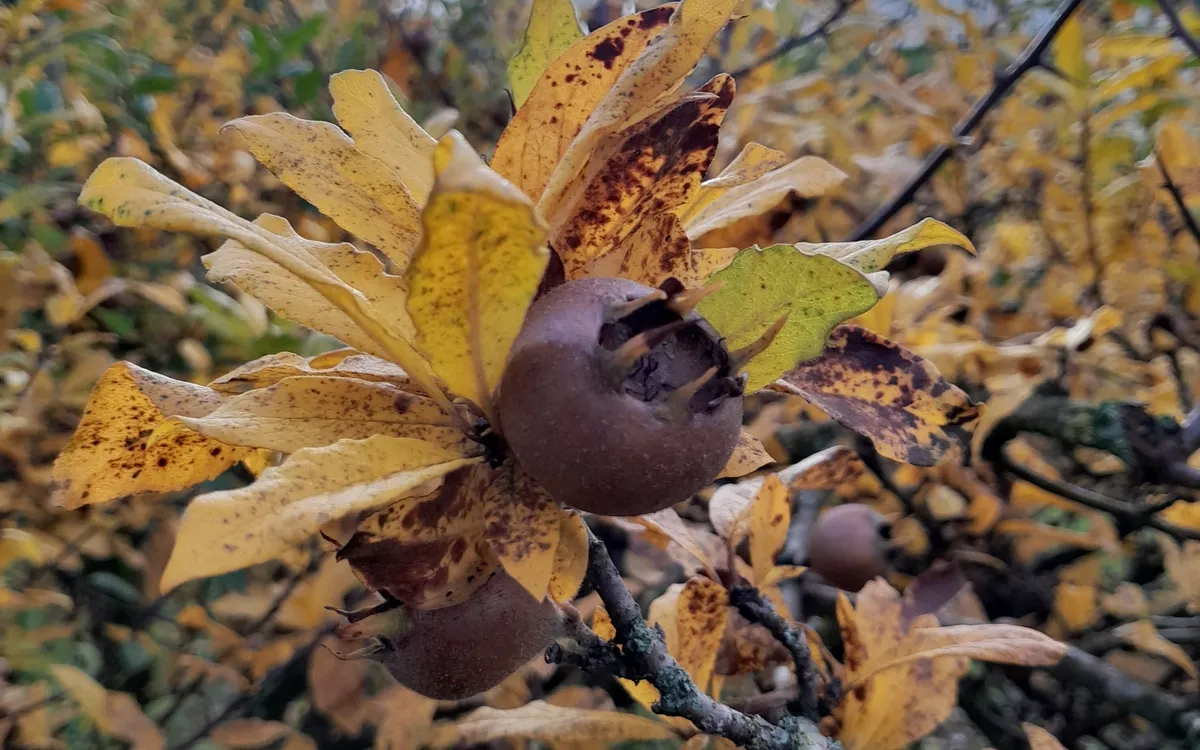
(644, 656)
(796, 42)
(1180, 30)
(1028, 59)
(1189, 221)
(755, 607)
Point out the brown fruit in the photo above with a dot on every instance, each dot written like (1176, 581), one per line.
(618, 399)
(848, 546)
(467, 648)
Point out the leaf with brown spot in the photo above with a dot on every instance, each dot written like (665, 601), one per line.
(228, 530)
(752, 162)
(885, 392)
(553, 29)
(824, 470)
(708, 260)
(658, 70)
(668, 523)
(566, 94)
(321, 163)
(657, 250)
(546, 723)
(363, 105)
(633, 176)
(114, 452)
(807, 177)
(570, 559)
(523, 528)
(749, 456)
(311, 411)
(700, 615)
(770, 518)
(271, 369)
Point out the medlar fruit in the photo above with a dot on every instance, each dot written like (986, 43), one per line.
(618, 398)
(457, 651)
(848, 546)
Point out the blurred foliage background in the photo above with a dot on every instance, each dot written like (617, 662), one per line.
(1075, 188)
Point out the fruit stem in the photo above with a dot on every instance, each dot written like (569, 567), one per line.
(684, 302)
(739, 358)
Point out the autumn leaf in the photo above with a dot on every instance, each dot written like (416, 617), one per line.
(1040, 739)
(1145, 637)
(228, 530)
(119, 448)
(311, 411)
(887, 393)
(659, 69)
(343, 363)
(751, 163)
(132, 194)
(363, 105)
(700, 615)
(658, 250)
(473, 277)
(570, 559)
(544, 722)
(668, 523)
(523, 527)
(323, 166)
(870, 256)
(770, 518)
(567, 93)
(114, 713)
(762, 286)
(247, 734)
(749, 455)
(553, 29)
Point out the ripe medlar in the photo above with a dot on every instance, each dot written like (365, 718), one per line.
(457, 651)
(618, 398)
(848, 546)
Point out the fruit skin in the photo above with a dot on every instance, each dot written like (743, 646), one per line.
(457, 651)
(848, 546)
(611, 446)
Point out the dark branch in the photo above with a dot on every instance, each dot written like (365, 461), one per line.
(755, 607)
(644, 656)
(796, 42)
(1189, 221)
(1177, 26)
(1028, 60)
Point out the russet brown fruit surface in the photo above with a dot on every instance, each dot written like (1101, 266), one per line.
(455, 652)
(607, 438)
(848, 546)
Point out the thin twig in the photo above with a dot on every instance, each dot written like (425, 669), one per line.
(1023, 64)
(1172, 187)
(1177, 26)
(644, 653)
(755, 607)
(796, 42)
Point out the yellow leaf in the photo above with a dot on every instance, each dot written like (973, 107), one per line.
(363, 105)
(641, 691)
(546, 723)
(762, 286)
(566, 95)
(1120, 47)
(320, 162)
(113, 713)
(751, 163)
(700, 616)
(116, 451)
(1145, 637)
(888, 394)
(657, 250)
(668, 523)
(1069, 47)
(749, 455)
(824, 470)
(771, 515)
(570, 559)
(807, 177)
(1076, 605)
(15, 545)
(658, 70)
(1180, 155)
(1140, 75)
(228, 530)
(1183, 568)
(632, 178)
(273, 368)
(707, 261)
(523, 526)
(1040, 739)
(476, 272)
(553, 29)
(132, 194)
(311, 411)
(869, 256)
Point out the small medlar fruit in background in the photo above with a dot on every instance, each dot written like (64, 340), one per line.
(618, 399)
(457, 651)
(848, 546)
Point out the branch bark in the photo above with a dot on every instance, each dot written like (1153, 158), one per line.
(644, 656)
(797, 42)
(755, 607)
(1023, 64)
(1181, 31)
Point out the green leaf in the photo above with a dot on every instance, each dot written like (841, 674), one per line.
(552, 29)
(760, 286)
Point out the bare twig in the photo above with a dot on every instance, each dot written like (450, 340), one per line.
(1172, 187)
(1023, 64)
(755, 607)
(1177, 26)
(644, 656)
(796, 42)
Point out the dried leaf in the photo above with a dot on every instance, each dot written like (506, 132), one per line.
(113, 713)
(1040, 739)
(761, 286)
(553, 29)
(889, 394)
(668, 523)
(476, 272)
(321, 163)
(544, 722)
(120, 449)
(749, 456)
(363, 105)
(824, 470)
(771, 516)
(228, 530)
(247, 734)
(700, 615)
(1145, 637)
(523, 526)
